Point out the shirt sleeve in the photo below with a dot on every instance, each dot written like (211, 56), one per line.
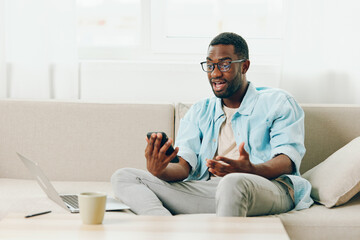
(189, 138)
(287, 132)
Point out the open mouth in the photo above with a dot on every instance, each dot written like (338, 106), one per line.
(218, 85)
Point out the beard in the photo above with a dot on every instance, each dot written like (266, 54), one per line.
(229, 87)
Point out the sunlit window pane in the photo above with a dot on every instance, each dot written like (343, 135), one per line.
(205, 18)
(253, 18)
(108, 22)
(189, 18)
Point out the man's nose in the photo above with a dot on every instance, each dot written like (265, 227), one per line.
(216, 73)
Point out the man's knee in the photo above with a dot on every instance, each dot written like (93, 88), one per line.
(235, 184)
(125, 175)
(233, 194)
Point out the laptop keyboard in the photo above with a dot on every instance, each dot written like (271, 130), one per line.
(71, 200)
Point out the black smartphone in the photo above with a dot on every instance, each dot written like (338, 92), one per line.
(164, 139)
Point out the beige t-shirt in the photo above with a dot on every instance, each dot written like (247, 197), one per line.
(227, 145)
(226, 141)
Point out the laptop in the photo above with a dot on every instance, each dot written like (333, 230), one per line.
(67, 201)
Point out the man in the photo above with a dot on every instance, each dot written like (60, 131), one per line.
(239, 152)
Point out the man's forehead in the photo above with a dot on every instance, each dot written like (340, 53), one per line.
(221, 52)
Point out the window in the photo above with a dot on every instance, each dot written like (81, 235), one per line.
(134, 28)
(107, 24)
(187, 26)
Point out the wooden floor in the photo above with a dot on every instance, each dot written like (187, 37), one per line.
(125, 226)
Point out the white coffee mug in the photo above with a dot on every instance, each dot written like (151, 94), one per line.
(92, 207)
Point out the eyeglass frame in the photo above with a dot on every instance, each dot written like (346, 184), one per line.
(217, 64)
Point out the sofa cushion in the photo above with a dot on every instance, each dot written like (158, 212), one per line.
(180, 111)
(328, 127)
(337, 179)
(320, 222)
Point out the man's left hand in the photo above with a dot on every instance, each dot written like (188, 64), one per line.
(220, 166)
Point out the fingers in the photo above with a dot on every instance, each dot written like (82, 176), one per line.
(216, 173)
(224, 159)
(221, 166)
(155, 151)
(220, 170)
(150, 145)
(173, 155)
(218, 164)
(163, 150)
(242, 151)
(218, 167)
(157, 143)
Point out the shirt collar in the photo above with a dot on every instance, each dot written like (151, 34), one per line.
(249, 101)
(247, 104)
(218, 109)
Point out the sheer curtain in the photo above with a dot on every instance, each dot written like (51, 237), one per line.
(3, 84)
(322, 51)
(316, 58)
(41, 53)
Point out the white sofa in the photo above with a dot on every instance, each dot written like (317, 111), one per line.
(79, 145)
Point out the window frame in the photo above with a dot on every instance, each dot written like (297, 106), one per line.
(155, 45)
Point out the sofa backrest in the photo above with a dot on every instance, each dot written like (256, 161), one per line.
(77, 141)
(327, 128)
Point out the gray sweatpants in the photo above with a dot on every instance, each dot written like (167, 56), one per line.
(236, 194)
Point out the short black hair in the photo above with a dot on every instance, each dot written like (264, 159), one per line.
(229, 38)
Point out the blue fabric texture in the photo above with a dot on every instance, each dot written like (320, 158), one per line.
(269, 121)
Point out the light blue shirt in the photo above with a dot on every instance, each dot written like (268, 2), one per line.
(269, 121)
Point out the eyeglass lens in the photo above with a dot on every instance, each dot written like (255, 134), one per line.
(222, 65)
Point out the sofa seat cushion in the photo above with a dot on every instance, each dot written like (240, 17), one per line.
(320, 222)
(26, 196)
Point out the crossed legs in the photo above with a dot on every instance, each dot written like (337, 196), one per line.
(236, 194)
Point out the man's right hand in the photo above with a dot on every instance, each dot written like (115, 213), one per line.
(156, 159)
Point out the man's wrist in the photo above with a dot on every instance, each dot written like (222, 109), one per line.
(254, 169)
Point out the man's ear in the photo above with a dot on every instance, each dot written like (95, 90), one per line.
(245, 67)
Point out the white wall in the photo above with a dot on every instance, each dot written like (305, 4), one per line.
(40, 49)
(319, 62)
(322, 52)
(156, 82)
(3, 84)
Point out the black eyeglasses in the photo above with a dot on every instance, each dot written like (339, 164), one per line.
(223, 65)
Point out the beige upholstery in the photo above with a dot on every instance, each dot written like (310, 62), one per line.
(319, 222)
(76, 141)
(79, 145)
(327, 129)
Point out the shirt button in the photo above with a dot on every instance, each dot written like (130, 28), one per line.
(214, 140)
